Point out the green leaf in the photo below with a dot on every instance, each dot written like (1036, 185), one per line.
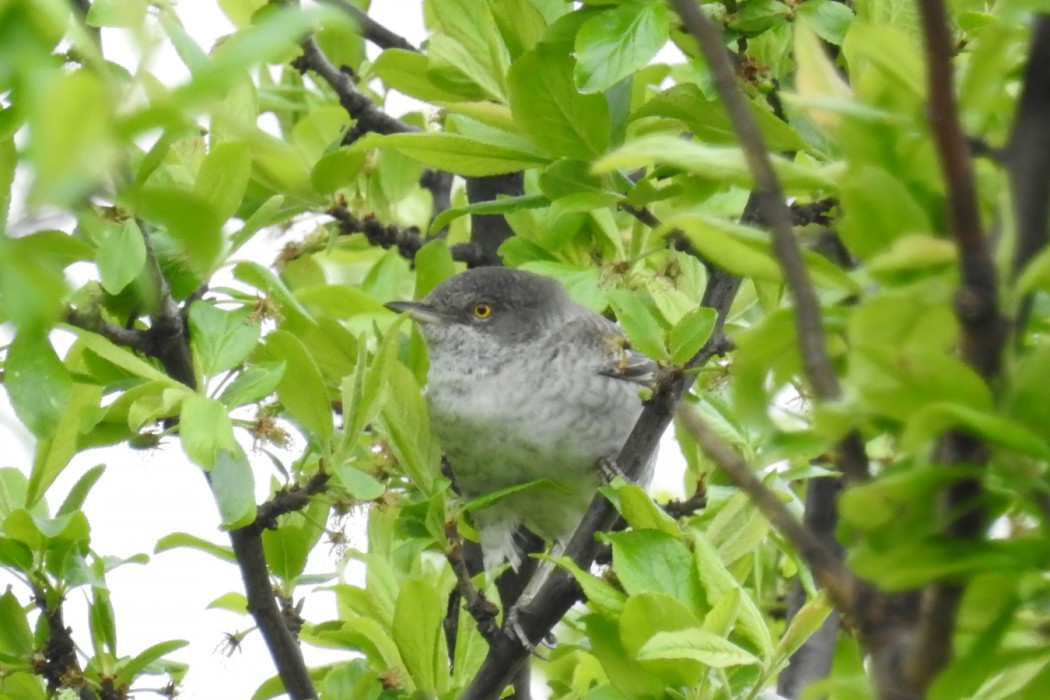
(121, 357)
(79, 493)
(234, 602)
(223, 177)
(868, 226)
(469, 36)
(697, 644)
(233, 485)
(190, 219)
(499, 206)
(205, 430)
(177, 540)
(8, 162)
(718, 582)
(647, 615)
(804, 623)
(286, 549)
(15, 637)
(601, 596)
(121, 255)
(102, 626)
(338, 169)
(38, 384)
(567, 177)
(116, 13)
(690, 333)
(240, 11)
(935, 418)
(405, 422)
(829, 19)
(221, 340)
(419, 635)
(638, 323)
(651, 561)
(616, 42)
(253, 384)
(361, 485)
(739, 249)
(726, 165)
(265, 215)
(302, 392)
(434, 265)
(406, 72)
(54, 453)
(457, 154)
(128, 670)
(551, 112)
(71, 147)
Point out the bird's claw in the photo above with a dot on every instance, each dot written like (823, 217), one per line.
(609, 470)
(513, 629)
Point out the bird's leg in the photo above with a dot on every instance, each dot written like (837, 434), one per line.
(512, 625)
(609, 470)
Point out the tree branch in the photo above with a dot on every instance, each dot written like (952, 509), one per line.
(407, 241)
(488, 231)
(279, 624)
(367, 115)
(825, 563)
(772, 204)
(983, 335)
(371, 30)
(262, 604)
(1027, 156)
(60, 667)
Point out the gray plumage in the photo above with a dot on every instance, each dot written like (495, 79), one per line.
(525, 384)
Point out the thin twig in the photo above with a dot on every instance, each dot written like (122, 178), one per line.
(772, 203)
(134, 338)
(983, 335)
(288, 500)
(367, 115)
(371, 30)
(407, 241)
(825, 564)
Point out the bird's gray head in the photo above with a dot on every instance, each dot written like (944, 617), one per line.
(488, 306)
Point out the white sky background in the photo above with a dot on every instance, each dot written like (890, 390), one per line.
(145, 495)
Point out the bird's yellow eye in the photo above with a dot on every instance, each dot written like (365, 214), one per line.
(482, 310)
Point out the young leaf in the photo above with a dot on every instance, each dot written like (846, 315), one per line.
(121, 255)
(205, 430)
(618, 41)
(550, 111)
(221, 340)
(233, 485)
(638, 323)
(37, 382)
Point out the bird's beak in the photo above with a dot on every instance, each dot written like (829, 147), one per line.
(420, 312)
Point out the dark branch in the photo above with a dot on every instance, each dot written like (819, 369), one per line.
(288, 501)
(262, 604)
(690, 506)
(1027, 155)
(407, 241)
(371, 30)
(983, 335)
(771, 199)
(488, 231)
(367, 115)
(133, 338)
(60, 667)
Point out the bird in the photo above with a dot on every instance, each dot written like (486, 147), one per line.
(526, 387)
